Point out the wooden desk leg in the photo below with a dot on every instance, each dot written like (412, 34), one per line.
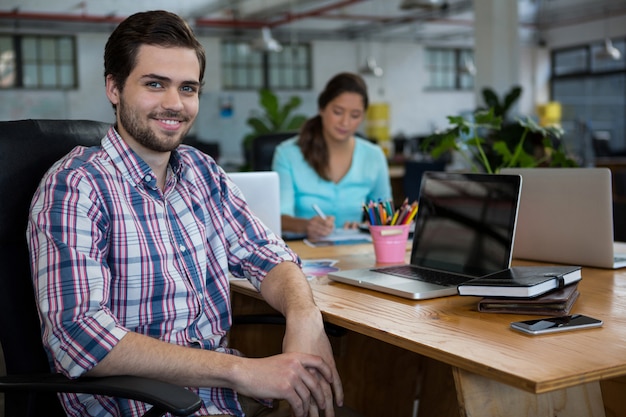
(480, 396)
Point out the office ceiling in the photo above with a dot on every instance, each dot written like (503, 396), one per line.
(301, 20)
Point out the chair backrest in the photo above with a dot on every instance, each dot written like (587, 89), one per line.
(27, 149)
(413, 171)
(263, 147)
(210, 148)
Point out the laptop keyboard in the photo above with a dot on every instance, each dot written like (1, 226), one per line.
(426, 275)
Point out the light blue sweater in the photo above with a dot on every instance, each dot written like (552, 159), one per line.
(301, 187)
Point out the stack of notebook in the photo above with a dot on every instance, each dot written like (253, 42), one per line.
(544, 290)
(554, 303)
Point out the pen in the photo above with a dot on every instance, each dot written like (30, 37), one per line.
(319, 211)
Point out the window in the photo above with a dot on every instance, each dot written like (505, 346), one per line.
(570, 61)
(592, 91)
(37, 62)
(246, 69)
(450, 69)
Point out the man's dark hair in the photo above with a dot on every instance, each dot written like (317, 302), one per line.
(158, 28)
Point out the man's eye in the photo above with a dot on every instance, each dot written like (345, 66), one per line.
(154, 84)
(189, 89)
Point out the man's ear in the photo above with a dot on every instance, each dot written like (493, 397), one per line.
(112, 91)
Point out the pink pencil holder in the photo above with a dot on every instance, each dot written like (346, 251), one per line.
(390, 242)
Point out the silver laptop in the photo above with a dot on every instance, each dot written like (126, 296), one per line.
(464, 229)
(262, 192)
(566, 216)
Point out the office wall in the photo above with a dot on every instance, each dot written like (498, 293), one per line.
(580, 33)
(413, 110)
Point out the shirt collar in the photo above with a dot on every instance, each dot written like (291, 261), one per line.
(135, 169)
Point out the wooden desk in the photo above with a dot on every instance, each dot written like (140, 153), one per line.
(494, 370)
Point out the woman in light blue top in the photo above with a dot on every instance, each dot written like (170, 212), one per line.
(327, 167)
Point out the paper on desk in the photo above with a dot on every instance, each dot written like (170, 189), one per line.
(318, 267)
(341, 237)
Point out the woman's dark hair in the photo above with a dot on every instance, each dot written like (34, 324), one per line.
(157, 27)
(311, 140)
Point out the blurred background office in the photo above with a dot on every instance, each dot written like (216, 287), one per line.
(422, 60)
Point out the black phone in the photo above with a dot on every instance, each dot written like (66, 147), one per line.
(556, 324)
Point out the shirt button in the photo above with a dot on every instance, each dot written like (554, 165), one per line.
(148, 178)
(182, 248)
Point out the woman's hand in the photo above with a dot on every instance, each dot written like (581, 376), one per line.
(351, 225)
(317, 227)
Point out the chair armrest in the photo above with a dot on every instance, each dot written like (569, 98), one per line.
(163, 396)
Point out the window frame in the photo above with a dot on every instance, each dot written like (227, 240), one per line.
(267, 68)
(47, 71)
(581, 127)
(451, 68)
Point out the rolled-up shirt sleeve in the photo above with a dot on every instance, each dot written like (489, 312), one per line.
(71, 276)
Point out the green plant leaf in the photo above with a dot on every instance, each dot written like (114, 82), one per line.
(488, 142)
(488, 119)
(456, 120)
(491, 99)
(503, 150)
(275, 118)
(295, 122)
(258, 125)
(510, 99)
(268, 100)
(282, 116)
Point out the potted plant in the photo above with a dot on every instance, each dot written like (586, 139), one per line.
(276, 117)
(489, 142)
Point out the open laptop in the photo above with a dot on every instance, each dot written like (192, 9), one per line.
(566, 216)
(262, 192)
(464, 229)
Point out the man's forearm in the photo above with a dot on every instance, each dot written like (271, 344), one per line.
(140, 355)
(286, 289)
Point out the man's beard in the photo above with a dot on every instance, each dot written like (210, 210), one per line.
(146, 136)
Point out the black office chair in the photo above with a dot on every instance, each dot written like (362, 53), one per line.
(27, 149)
(413, 171)
(210, 148)
(263, 147)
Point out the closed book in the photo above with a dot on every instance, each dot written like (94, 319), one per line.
(558, 302)
(522, 281)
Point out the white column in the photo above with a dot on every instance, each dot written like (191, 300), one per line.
(497, 47)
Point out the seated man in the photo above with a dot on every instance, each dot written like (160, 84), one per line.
(132, 242)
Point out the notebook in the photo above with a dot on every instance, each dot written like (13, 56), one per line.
(262, 192)
(566, 216)
(464, 229)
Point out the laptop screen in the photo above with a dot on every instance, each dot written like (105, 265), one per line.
(262, 192)
(466, 222)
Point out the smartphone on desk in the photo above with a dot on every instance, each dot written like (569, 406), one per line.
(556, 324)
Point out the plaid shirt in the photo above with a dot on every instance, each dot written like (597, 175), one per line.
(112, 253)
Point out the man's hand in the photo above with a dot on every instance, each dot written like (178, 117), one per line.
(305, 333)
(299, 378)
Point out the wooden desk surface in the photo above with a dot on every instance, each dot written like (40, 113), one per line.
(452, 331)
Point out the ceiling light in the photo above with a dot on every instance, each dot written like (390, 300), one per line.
(266, 42)
(421, 4)
(371, 68)
(609, 51)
